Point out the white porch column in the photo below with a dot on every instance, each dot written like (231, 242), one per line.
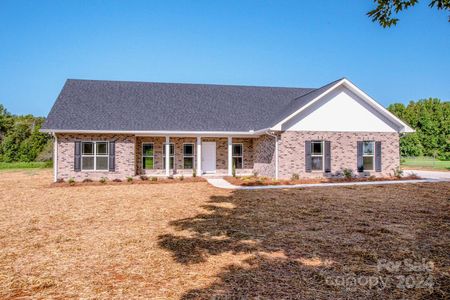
(167, 151)
(199, 156)
(230, 156)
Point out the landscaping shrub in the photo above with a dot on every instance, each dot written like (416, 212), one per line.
(398, 172)
(130, 179)
(59, 180)
(143, 177)
(103, 180)
(71, 181)
(233, 170)
(194, 172)
(117, 180)
(348, 173)
(181, 177)
(295, 176)
(154, 178)
(87, 180)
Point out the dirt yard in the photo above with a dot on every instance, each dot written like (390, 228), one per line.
(191, 240)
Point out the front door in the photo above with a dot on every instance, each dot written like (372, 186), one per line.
(209, 157)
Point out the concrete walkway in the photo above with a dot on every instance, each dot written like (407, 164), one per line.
(441, 175)
(223, 184)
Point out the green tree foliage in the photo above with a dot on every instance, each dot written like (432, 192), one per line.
(20, 139)
(431, 120)
(383, 12)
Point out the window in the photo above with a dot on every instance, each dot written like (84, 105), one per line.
(237, 156)
(317, 156)
(188, 156)
(147, 156)
(171, 155)
(94, 156)
(368, 155)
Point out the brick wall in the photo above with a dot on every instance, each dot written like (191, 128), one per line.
(125, 156)
(343, 151)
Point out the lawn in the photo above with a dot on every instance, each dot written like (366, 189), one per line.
(190, 240)
(425, 163)
(24, 165)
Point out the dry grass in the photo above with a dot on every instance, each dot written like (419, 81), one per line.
(191, 240)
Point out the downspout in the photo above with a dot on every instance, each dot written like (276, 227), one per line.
(276, 152)
(55, 158)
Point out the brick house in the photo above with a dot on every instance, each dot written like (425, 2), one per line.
(118, 129)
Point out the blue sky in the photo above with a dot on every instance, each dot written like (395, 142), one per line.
(275, 43)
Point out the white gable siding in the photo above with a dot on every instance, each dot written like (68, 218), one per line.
(341, 110)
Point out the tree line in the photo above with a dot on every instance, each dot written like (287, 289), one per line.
(20, 139)
(431, 120)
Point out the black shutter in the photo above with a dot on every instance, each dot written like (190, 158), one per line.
(308, 156)
(378, 156)
(112, 156)
(77, 157)
(359, 156)
(327, 156)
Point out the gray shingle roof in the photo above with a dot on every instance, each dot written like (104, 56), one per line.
(144, 106)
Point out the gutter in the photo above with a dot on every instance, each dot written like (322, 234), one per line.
(276, 152)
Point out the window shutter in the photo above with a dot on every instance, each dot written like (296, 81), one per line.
(359, 156)
(308, 163)
(327, 156)
(377, 156)
(77, 157)
(112, 156)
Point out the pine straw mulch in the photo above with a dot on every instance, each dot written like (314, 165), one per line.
(193, 241)
(262, 181)
(136, 180)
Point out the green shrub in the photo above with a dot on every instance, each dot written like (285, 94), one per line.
(194, 172)
(295, 176)
(233, 170)
(348, 173)
(130, 179)
(103, 180)
(398, 172)
(71, 181)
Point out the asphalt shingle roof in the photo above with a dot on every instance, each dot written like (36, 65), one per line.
(145, 106)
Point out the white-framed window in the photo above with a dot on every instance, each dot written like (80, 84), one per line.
(94, 156)
(368, 155)
(317, 155)
(238, 156)
(188, 156)
(148, 156)
(171, 155)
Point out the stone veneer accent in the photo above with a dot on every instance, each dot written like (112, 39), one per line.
(264, 156)
(125, 149)
(343, 151)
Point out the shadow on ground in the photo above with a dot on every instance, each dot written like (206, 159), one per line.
(319, 243)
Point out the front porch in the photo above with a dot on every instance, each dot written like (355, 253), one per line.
(183, 155)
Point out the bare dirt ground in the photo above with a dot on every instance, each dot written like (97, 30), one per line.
(191, 240)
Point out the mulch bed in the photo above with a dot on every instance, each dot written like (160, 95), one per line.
(262, 181)
(125, 182)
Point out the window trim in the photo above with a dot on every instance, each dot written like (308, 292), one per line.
(164, 155)
(369, 155)
(189, 156)
(152, 156)
(94, 155)
(237, 156)
(318, 155)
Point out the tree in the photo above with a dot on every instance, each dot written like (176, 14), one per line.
(431, 120)
(383, 12)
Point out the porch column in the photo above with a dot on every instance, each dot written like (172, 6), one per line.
(167, 151)
(230, 156)
(199, 156)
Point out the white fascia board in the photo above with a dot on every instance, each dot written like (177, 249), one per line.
(250, 133)
(405, 128)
